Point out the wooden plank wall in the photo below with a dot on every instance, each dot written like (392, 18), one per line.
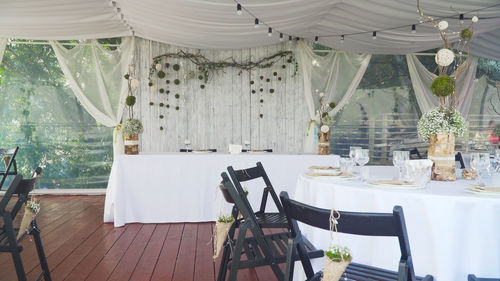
(225, 111)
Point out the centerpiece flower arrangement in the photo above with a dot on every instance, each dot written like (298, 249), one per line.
(131, 128)
(442, 124)
(325, 121)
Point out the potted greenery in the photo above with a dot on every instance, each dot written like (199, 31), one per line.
(222, 227)
(31, 209)
(131, 128)
(337, 260)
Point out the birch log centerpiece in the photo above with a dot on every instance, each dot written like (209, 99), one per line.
(325, 121)
(131, 128)
(442, 153)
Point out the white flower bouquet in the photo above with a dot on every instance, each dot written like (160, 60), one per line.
(439, 120)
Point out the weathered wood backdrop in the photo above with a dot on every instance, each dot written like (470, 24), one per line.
(225, 111)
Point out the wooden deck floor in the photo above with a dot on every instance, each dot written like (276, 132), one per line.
(79, 246)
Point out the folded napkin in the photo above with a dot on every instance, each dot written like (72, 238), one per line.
(485, 188)
(392, 182)
(341, 175)
(234, 148)
(323, 168)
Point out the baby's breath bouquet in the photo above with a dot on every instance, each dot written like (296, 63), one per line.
(439, 120)
(132, 127)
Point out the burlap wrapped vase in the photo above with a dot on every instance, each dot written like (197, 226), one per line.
(131, 144)
(221, 231)
(442, 153)
(333, 270)
(28, 217)
(324, 143)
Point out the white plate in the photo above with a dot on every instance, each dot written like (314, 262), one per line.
(482, 193)
(201, 151)
(395, 186)
(330, 172)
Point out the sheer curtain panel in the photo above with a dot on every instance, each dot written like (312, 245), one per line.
(336, 74)
(96, 76)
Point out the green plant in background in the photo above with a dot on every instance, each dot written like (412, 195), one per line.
(496, 130)
(443, 86)
(339, 254)
(225, 218)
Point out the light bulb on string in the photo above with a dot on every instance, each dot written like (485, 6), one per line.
(117, 10)
(239, 12)
(112, 3)
(316, 38)
(269, 32)
(461, 17)
(342, 38)
(256, 25)
(374, 35)
(413, 28)
(281, 36)
(290, 39)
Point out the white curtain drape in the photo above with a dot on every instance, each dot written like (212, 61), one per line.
(336, 74)
(3, 43)
(421, 79)
(96, 76)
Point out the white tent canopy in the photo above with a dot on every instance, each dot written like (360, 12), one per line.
(215, 24)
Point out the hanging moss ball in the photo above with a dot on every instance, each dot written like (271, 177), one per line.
(279, 78)
(261, 90)
(271, 91)
(167, 106)
(466, 34)
(151, 103)
(261, 101)
(161, 104)
(261, 115)
(177, 81)
(289, 60)
(150, 84)
(202, 86)
(161, 116)
(130, 100)
(443, 86)
(261, 77)
(332, 105)
(161, 74)
(253, 91)
(200, 68)
(177, 96)
(176, 67)
(162, 91)
(268, 80)
(200, 77)
(283, 66)
(126, 76)
(177, 108)
(167, 65)
(252, 82)
(161, 128)
(275, 73)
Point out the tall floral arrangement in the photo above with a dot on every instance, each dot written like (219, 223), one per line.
(325, 121)
(131, 127)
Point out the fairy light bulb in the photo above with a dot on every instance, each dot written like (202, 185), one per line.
(269, 32)
(374, 35)
(413, 28)
(256, 25)
(239, 12)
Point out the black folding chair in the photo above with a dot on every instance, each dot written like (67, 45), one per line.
(460, 159)
(11, 164)
(266, 220)
(473, 277)
(367, 224)
(260, 249)
(8, 234)
(416, 153)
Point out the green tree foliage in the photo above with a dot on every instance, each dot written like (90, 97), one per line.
(40, 114)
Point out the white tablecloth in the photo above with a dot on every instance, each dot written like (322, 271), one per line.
(182, 187)
(452, 233)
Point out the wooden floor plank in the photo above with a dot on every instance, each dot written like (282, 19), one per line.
(184, 267)
(164, 269)
(204, 269)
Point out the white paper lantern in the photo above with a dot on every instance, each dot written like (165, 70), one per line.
(475, 19)
(325, 129)
(134, 83)
(444, 57)
(321, 94)
(443, 25)
(158, 66)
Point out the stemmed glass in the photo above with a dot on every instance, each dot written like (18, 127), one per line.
(187, 143)
(399, 159)
(480, 161)
(353, 152)
(247, 145)
(362, 157)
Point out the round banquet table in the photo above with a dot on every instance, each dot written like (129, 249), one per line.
(452, 232)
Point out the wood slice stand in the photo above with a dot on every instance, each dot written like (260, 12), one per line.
(442, 153)
(323, 143)
(132, 144)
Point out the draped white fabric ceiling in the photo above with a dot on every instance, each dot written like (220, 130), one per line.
(215, 24)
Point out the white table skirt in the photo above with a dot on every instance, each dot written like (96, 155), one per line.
(182, 187)
(452, 233)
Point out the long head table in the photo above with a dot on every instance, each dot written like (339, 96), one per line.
(452, 233)
(182, 187)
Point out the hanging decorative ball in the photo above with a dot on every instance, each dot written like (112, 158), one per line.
(161, 104)
(130, 100)
(466, 34)
(167, 92)
(332, 105)
(153, 88)
(161, 116)
(158, 66)
(176, 67)
(161, 74)
(475, 19)
(162, 91)
(177, 96)
(126, 76)
(325, 129)
(200, 77)
(321, 94)
(261, 101)
(279, 78)
(444, 57)
(167, 65)
(130, 68)
(253, 91)
(283, 66)
(275, 73)
(202, 86)
(167, 81)
(261, 77)
(177, 81)
(151, 103)
(443, 25)
(261, 115)
(261, 90)
(268, 80)
(167, 106)
(134, 83)
(443, 86)
(271, 91)
(177, 108)
(161, 128)
(252, 82)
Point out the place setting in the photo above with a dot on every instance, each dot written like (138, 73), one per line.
(486, 174)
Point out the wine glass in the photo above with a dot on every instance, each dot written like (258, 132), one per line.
(187, 143)
(247, 145)
(353, 152)
(480, 161)
(363, 156)
(399, 159)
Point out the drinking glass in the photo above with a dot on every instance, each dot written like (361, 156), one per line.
(187, 143)
(353, 152)
(399, 159)
(247, 145)
(346, 165)
(480, 161)
(363, 156)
